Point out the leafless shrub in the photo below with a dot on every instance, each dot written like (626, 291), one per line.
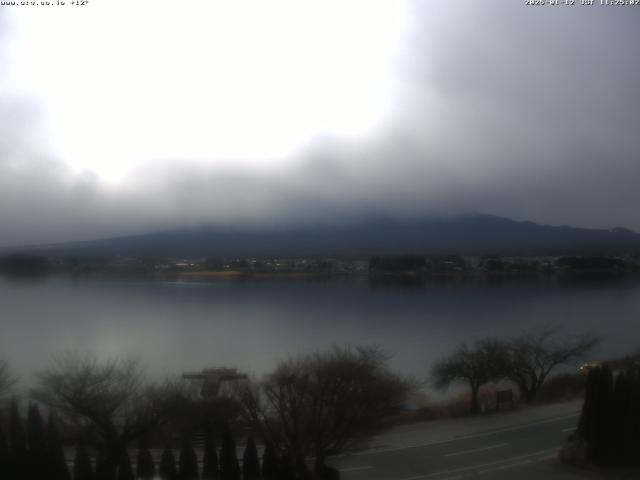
(112, 399)
(532, 357)
(477, 365)
(324, 403)
(7, 381)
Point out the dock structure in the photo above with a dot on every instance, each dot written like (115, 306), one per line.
(211, 382)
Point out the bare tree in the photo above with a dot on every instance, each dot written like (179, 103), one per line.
(111, 399)
(477, 365)
(6, 379)
(325, 403)
(533, 357)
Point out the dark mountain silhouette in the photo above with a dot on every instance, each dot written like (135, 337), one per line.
(468, 234)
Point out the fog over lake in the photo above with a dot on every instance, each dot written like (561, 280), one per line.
(178, 326)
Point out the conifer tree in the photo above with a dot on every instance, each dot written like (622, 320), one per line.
(229, 466)
(600, 452)
(57, 463)
(37, 442)
(16, 431)
(631, 431)
(82, 468)
(167, 469)
(125, 472)
(610, 420)
(4, 457)
(270, 464)
(188, 462)
(102, 471)
(146, 468)
(210, 470)
(250, 462)
(620, 412)
(18, 462)
(286, 468)
(586, 426)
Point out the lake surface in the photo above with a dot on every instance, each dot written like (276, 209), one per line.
(251, 324)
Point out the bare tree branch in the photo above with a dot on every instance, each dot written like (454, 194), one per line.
(7, 381)
(533, 357)
(324, 403)
(111, 398)
(477, 365)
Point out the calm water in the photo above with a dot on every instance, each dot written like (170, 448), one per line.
(177, 326)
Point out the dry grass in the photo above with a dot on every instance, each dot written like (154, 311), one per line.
(562, 387)
(456, 406)
(559, 388)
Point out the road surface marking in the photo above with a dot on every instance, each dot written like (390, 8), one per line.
(571, 429)
(355, 469)
(543, 454)
(505, 467)
(464, 452)
(420, 477)
(373, 451)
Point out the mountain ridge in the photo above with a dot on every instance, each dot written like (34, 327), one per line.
(463, 234)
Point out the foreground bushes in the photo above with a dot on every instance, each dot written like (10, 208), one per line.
(317, 405)
(36, 452)
(610, 421)
(344, 395)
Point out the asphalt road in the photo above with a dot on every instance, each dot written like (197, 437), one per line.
(520, 451)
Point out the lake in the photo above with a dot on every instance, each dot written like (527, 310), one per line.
(174, 326)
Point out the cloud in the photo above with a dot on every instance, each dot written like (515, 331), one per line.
(535, 108)
(511, 110)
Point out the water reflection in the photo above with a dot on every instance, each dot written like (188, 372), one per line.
(250, 324)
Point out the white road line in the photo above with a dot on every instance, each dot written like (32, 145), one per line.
(464, 452)
(543, 454)
(355, 469)
(373, 451)
(420, 477)
(505, 467)
(569, 429)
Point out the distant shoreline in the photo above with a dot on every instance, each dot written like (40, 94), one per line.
(240, 274)
(399, 276)
(375, 277)
(410, 275)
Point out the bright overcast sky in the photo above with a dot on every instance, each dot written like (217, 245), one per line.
(120, 117)
(123, 83)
